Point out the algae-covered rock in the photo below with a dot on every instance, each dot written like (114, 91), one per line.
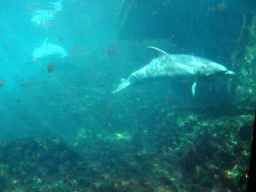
(244, 65)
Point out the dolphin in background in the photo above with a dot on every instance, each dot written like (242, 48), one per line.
(175, 66)
(49, 49)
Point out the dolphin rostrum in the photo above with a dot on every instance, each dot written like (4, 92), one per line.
(175, 66)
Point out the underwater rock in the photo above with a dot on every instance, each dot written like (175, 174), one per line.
(245, 132)
(139, 185)
(36, 161)
(3, 182)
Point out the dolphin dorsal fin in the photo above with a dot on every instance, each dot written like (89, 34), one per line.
(45, 40)
(161, 51)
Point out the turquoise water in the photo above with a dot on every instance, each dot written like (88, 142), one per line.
(62, 128)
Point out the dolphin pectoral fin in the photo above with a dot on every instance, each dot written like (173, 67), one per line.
(45, 45)
(161, 51)
(124, 83)
(193, 89)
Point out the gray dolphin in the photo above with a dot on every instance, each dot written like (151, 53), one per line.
(175, 66)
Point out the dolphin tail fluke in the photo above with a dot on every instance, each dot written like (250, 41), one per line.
(124, 83)
(230, 72)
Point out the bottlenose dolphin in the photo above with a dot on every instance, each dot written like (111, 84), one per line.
(175, 66)
(48, 49)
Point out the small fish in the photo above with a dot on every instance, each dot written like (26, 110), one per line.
(25, 84)
(50, 67)
(1, 84)
(168, 98)
(18, 100)
(108, 111)
(111, 52)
